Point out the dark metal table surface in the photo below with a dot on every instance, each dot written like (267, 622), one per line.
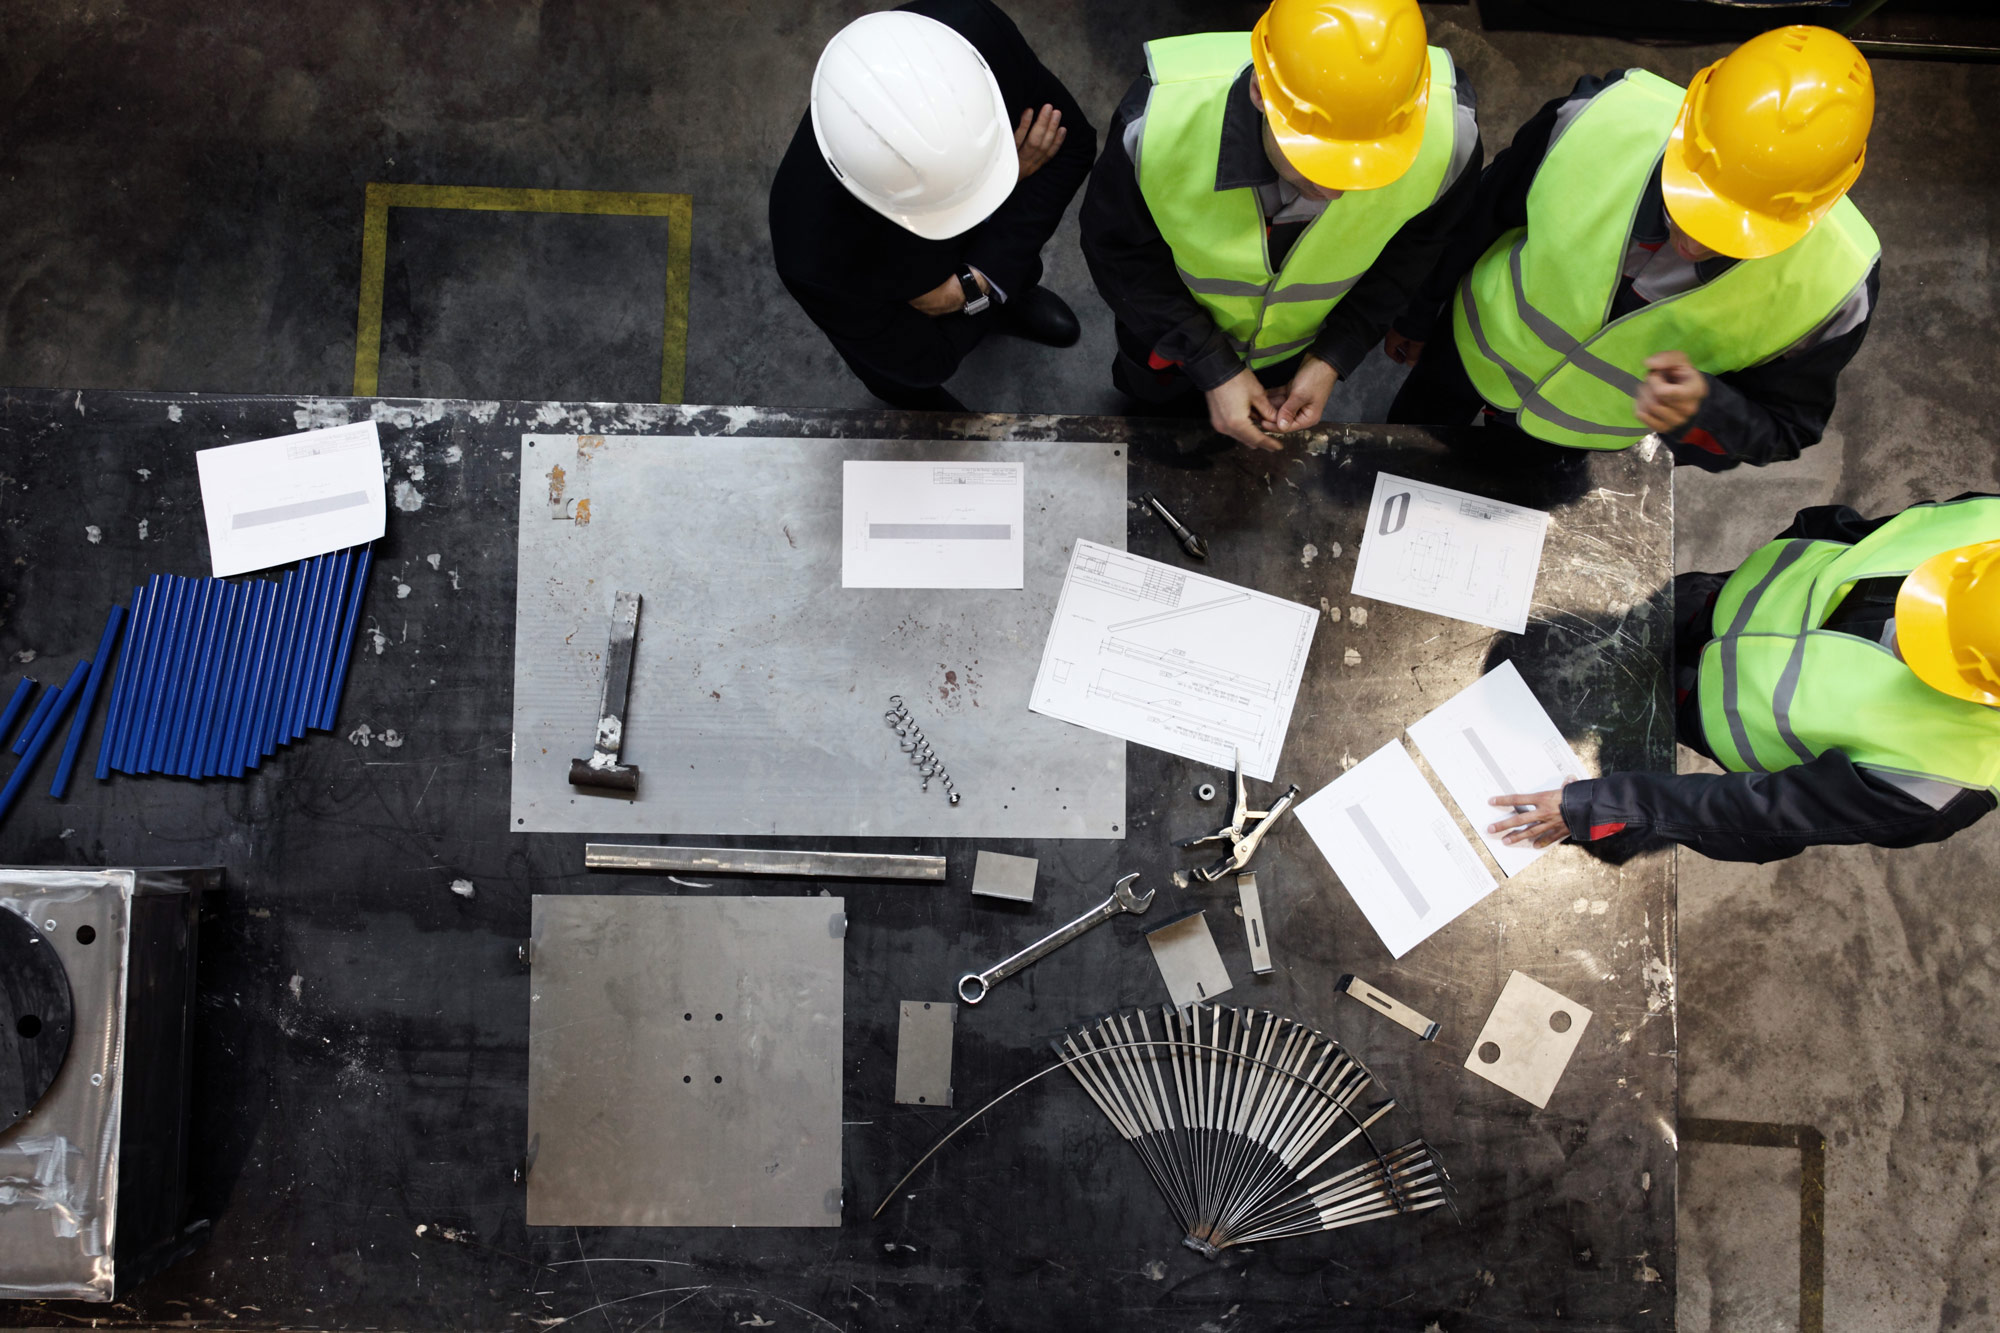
(362, 1055)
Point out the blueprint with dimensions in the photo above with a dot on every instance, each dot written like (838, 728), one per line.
(1451, 553)
(1175, 660)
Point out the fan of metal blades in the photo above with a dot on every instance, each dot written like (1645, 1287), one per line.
(1238, 1116)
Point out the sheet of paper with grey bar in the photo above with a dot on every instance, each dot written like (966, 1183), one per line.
(1494, 738)
(270, 502)
(1173, 659)
(1450, 553)
(937, 524)
(1397, 850)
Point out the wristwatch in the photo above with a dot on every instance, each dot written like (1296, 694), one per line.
(976, 297)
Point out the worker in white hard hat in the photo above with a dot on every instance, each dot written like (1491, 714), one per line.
(909, 215)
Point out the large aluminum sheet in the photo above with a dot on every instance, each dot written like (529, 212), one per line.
(684, 1061)
(759, 683)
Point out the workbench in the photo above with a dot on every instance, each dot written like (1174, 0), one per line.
(362, 1028)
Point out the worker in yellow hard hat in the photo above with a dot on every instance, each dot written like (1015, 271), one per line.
(1847, 677)
(1267, 201)
(1646, 259)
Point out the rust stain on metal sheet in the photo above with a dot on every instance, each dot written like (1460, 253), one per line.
(583, 513)
(558, 479)
(584, 442)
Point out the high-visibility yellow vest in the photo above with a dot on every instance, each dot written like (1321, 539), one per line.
(1778, 690)
(1218, 236)
(1532, 320)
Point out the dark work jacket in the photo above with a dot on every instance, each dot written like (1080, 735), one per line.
(1770, 816)
(855, 272)
(1134, 266)
(1761, 414)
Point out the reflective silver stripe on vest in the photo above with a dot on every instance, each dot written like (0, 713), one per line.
(1242, 348)
(1297, 291)
(1221, 286)
(1738, 732)
(1314, 291)
(1524, 388)
(1558, 338)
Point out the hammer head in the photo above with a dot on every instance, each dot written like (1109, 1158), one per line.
(1127, 898)
(610, 776)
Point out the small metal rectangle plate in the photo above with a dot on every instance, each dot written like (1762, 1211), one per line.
(1253, 924)
(1530, 1035)
(684, 1061)
(998, 875)
(1189, 962)
(923, 1052)
(1384, 1003)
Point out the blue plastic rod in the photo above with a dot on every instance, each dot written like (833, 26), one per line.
(167, 665)
(99, 664)
(228, 624)
(239, 755)
(229, 727)
(39, 741)
(332, 604)
(40, 711)
(16, 704)
(349, 624)
(194, 670)
(288, 657)
(264, 739)
(121, 684)
(300, 667)
(160, 602)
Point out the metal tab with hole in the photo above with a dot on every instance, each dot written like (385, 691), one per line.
(1253, 923)
(923, 1052)
(1385, 1003)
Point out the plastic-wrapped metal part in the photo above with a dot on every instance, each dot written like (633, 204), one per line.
(93, 1178)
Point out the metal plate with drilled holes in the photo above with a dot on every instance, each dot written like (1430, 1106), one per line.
(1528, 1039)
(998, 875)
(923, 1052)
(684, 1061)
(34, 1016)
(1189, 962)
(759, 683)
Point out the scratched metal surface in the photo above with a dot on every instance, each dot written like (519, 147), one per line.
(759, 683)
(362, 1059)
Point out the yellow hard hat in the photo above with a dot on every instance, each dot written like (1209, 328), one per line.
(1948, 622)
(1345, 84)
(1769, 138)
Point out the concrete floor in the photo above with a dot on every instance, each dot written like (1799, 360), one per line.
(183, 184)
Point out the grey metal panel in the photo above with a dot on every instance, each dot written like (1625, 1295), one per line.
(998, 875)
(684, 1061)
(759, 684)
(924, 1037)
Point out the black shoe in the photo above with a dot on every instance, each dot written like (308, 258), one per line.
(1038, 315)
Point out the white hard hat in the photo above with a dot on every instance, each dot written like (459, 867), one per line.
(911, 120)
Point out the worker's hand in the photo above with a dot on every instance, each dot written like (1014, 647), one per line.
(1542, 822)
(1403, 351)
(1297, 405)
(1037, 138)
(1240, 410)
(947, 297)
(1672, 393)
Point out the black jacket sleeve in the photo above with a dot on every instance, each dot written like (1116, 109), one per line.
(1499, 204)
(1007, 246)
(1394, 279)
(1769, 413)
(1766, 816)
(1133, 266)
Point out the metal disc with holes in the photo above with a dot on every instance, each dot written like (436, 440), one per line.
(35, 1016)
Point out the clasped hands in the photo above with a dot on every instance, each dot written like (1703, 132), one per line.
(1243, 409)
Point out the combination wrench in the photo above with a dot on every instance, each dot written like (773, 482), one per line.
(972, 987)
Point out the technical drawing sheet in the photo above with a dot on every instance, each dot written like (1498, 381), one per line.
(1397, 850)
(1494, 738)
(931, 524)
(1172, 659)
(1450, 553)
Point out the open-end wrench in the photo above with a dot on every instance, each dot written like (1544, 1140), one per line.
(972, 987)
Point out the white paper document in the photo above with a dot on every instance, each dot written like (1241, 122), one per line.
(1172, 659)
(1450, 553)
(270, 502)
(931, 525)
(1494, 738)
(1395, 847)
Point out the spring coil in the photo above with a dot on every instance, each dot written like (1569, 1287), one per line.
(911, 741)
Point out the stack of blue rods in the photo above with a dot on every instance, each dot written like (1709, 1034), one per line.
(217, 675)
